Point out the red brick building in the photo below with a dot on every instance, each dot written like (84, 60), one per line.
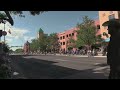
(26, 47)
(64, 37)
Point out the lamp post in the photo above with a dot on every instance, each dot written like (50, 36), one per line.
(4, 33)
(0, 35)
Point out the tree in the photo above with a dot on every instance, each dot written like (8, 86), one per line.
(7, 15)
(11, 51)
(43, 41)
(19, 50)
(6, 48)
(87, 33)
(34, 45)
(71, 43)
(54, 43)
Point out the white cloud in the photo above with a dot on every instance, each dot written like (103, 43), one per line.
(9, 40)
(16, 33)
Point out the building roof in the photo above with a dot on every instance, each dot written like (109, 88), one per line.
(75, 28)
(40, 30)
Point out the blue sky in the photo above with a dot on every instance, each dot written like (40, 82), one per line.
(52, 21)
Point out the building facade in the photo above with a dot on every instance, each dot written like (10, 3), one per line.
(106, 16)
(26, 48)
(65, 36)
(40, 33)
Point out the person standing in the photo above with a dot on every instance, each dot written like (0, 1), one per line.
(113, 49)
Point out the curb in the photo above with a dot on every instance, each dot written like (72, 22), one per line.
(79, 56)
(71, 55)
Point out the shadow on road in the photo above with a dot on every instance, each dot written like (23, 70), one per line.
(33, 68)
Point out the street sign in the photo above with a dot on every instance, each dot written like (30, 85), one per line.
(0, 33)
(4, 33)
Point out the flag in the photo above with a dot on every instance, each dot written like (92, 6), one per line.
(9, 31)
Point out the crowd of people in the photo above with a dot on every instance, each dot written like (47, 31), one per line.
(82, 51)
(85, 51)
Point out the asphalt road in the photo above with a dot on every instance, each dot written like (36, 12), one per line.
(59, 67)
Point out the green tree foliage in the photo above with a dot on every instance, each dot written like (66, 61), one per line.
(45, 42)
(34, 45)
(71, 43)
(87, 33)
(41, 43)
(54, 43)
(6, 48)
(19, 50)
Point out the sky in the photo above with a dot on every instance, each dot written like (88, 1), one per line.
(52, 21)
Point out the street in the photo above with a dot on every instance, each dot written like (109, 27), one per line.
(59, 67)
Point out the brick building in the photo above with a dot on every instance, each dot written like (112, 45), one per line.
(106, 16)
(65, 36)
(26, 48)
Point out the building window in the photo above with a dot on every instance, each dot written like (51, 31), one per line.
(111, 16)
(66, 35)
(60, 38)
(63, 37)
(63, 43)
(69, 35)
(98, 26)
(72, 34)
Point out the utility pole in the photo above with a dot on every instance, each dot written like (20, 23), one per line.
(4, 31)
(0, 35)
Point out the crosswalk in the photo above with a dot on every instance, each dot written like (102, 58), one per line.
(101, 69)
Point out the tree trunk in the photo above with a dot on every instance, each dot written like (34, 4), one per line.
(45, 51)
(54, 52)
(89, 50)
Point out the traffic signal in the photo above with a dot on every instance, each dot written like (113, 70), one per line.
(0, 33)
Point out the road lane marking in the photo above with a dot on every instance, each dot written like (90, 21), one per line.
(61, 60)
(97, 72)
(100, 68)
(15, 73)
(97, 63)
